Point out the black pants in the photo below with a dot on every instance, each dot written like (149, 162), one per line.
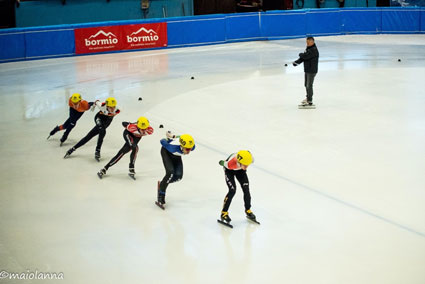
(173, 170)
(242, 178)
(308, 83)
(130, 145)
(102, 122)
(70, 123)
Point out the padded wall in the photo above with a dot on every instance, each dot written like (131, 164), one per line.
(45, 42)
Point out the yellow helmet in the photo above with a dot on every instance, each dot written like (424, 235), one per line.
(186, 141)
(244, 157)
(142, 122)
(111, 102)
(75, 98)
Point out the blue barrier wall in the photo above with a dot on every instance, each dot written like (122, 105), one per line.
(45, 42)
(309, 4)
(48, 12)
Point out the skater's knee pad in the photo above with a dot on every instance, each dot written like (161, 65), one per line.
(178, 177)
(232, 192)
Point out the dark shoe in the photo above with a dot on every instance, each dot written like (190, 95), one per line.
(161, 195)
(225, 217)
(53, 132)
(97, 156)
(101, 173)
(69, 152)
(131, 173)
(249, 214)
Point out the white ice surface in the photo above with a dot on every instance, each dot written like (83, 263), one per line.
(339, 190)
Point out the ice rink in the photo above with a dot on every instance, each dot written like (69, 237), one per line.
(339, 190)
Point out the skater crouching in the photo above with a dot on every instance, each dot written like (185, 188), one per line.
(108, 110)
(77, 107)
(132, 134)
(172, 151)
(235, 166)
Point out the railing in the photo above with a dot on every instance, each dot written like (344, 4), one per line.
(57, 41)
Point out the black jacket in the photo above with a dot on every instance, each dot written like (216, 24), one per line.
(310, 57)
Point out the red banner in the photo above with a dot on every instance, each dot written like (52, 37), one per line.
(145, 36)
(101, 39)
(98, 39)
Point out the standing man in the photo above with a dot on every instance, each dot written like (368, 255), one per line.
(310, 58)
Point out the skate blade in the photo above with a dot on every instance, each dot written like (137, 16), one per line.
(160, 205)
(48, 137)
(253, 221)
(132, 176)
(306, 107)
(99, 175)
(97, 159)
(225, 224)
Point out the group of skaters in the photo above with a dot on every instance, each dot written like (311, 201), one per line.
(172, 150)
(173, 146)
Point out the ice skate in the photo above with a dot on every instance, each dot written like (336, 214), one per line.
(159, 183)
(306, 105)
(225, 219)
(63, 139)
(101, 173)
(97, 156)
(69, 152)
(251, 216)
(131, 174)
(53, 132)
(161, 201)
(161, 198)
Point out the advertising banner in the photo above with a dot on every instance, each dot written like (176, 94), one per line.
(103, 39)
(99, 39)
(145, 36)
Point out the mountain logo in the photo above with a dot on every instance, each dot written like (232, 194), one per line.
(107, 39)
(142, 29)
(145, 36)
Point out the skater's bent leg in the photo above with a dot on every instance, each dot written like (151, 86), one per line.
(87, 138)
(133, 156)
(178, 170)
(124, 150)
(230, 181)
(102, 133)
(68, 127)
(169, 170)
(66, 124)
(244, 182)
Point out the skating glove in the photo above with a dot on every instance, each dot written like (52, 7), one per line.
(99, 123)
(295, 63)
(221, 163)
(94, 105)
(125, 123)
(170, 135)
